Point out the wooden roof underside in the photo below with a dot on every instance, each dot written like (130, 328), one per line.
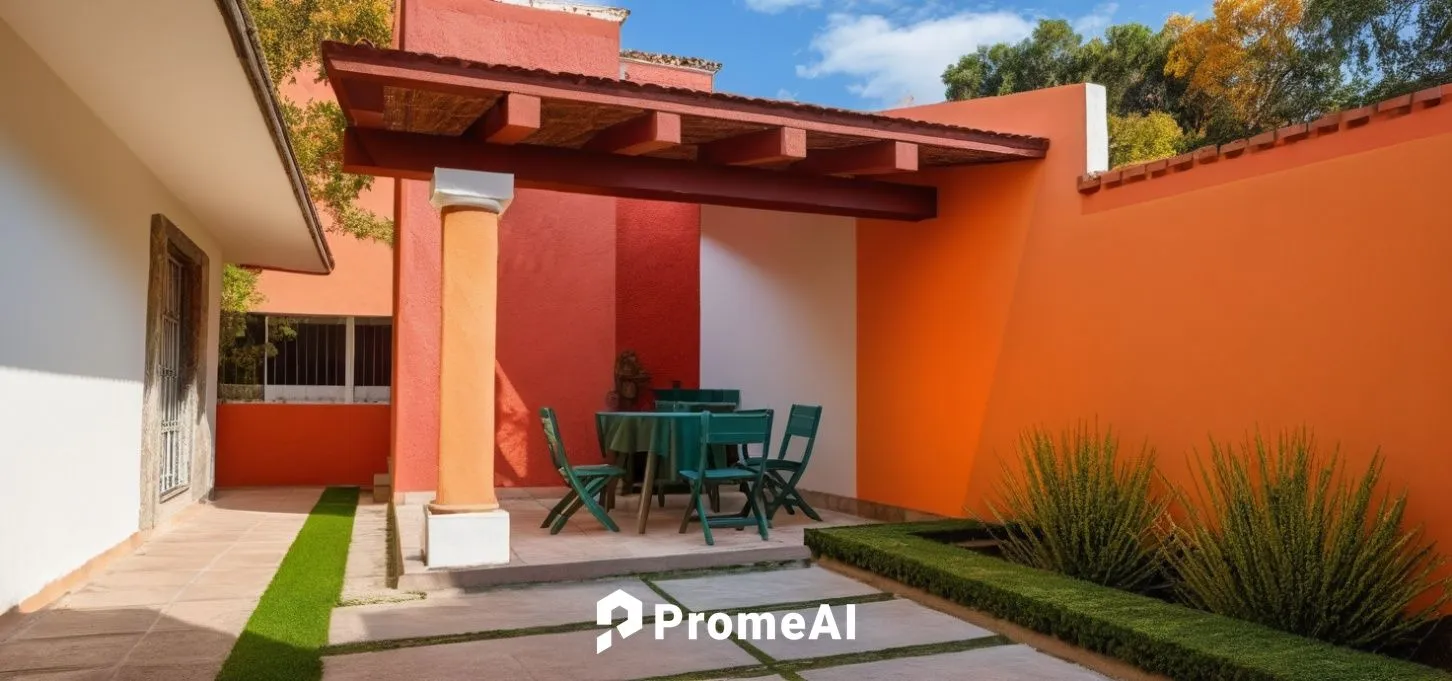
(523, 121)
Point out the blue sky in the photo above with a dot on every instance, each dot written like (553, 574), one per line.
(858, 54)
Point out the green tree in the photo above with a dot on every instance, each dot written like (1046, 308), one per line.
(1143, 137)
(290, 32)
(1048, 58)
(1381, 47)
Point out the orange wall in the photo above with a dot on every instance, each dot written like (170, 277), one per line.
(300, 444)
(1304, 284)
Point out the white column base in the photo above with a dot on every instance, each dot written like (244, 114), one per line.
(466, 539)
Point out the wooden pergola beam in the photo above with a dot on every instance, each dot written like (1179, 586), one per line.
(641, 135)
(381, 67)
(876, 158)
(757, 148)
(512, 119)
(414, 156)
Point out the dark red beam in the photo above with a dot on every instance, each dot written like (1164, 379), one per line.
(513, 118)
(876, 158)
(414, 157)
(652, 132)
(757, 148)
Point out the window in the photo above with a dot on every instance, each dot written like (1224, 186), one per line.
(310, 359)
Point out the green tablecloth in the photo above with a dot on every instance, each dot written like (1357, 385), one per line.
(649, 431)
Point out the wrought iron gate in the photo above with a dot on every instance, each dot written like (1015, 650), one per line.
(175, 363)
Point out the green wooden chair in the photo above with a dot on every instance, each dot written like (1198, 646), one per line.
(585, 482)
(781, 475)
(733, 430)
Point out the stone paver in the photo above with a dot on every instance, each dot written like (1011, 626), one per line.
(999, 663)
(515, 608)
(720, 592)
(174, 608)
(551, 657)
(880, 626)
(366, 577)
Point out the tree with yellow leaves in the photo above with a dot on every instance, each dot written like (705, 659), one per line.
(1237, 64)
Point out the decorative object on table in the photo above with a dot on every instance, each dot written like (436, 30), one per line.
(629, 377)
(781, 475)
(585, 482)
(741, 430)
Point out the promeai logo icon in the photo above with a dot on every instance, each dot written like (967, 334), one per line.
(605, 616)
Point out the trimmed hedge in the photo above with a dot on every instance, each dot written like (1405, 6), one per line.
(1153, 635)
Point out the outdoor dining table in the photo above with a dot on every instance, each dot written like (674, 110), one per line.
(675, 436)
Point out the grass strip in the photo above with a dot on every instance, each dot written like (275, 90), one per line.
(290, 624)
(806, 605)
(1154, 635)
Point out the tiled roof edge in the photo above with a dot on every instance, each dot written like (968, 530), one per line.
(615, 14)
(1326, 125)
(695, 63)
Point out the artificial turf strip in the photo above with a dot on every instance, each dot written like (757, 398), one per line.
(1154, 635)
(290, 625)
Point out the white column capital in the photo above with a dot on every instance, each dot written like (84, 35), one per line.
(453, 188)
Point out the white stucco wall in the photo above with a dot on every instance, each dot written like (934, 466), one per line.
(75, 216)
(779, 321)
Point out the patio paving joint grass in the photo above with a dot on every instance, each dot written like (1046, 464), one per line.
(467, 637)
(767, 566)
(805, 605)
(788, 669)
(290, 624)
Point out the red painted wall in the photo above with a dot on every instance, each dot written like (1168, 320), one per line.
(557, 264)
(658, 265)
(301, 444)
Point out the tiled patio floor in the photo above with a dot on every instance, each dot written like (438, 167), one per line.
(547, 633)
(171, 610)
(586, 550)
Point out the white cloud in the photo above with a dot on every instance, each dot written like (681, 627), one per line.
(786, 95)
(1095, 22)
(890, 62)
(777, 6)
(894, 59)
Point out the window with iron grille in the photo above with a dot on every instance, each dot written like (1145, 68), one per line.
(310, 359)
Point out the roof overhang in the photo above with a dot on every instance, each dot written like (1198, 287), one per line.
(409, 113)
(181, 83)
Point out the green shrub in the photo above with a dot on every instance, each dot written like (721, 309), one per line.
(1281, 537)
(1159, 637)
(1083, 511)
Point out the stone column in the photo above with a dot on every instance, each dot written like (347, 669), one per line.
(465, 525)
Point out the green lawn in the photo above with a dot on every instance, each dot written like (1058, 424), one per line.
(290, 624)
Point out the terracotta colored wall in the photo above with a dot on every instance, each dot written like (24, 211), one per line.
(1300, 285)
(658, 266)
(301, 444)
(663, 74)
(361, 283)
(557, 264)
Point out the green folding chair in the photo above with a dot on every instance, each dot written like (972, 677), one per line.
(740, 430)
(781, 475)
(585, 482)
